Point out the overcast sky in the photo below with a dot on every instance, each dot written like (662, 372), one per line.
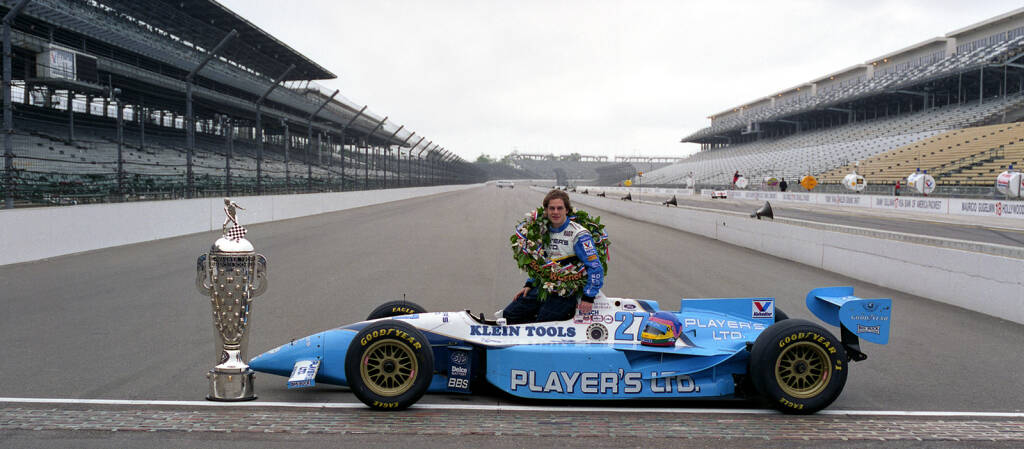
(599, 77)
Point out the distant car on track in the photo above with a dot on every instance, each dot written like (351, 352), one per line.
(503, 184)
(724, 349)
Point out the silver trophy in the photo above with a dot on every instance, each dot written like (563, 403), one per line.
(231, 274)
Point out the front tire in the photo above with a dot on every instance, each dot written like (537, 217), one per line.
(395, 308)
(389, 365)
(798, 366)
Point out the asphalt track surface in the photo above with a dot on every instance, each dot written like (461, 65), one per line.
(127, 323)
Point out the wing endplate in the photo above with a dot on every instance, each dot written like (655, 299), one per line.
(865, 318)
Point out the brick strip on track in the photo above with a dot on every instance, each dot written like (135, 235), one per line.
(503, 423)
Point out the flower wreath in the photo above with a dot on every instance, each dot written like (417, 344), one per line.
(530, 239)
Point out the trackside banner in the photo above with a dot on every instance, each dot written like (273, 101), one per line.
(986, 208)
(753, 195)
(939, 206)
(916, 204)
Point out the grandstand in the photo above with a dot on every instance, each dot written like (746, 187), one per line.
(140, 99)
(498, 170)
(958, 157)
(596, 170)
(571, 169)
(893, 113)
(615, 174)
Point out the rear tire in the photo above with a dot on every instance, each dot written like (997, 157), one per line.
(798, 366)
(389, 365)
(395, 308)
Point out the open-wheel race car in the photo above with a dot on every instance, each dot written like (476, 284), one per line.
(732, 348)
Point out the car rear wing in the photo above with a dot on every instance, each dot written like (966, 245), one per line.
(857, 317)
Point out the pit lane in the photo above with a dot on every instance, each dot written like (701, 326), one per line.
(126, 322)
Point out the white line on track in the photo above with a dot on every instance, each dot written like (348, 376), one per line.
(520, 408)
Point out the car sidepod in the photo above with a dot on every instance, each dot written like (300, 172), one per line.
(628, 371)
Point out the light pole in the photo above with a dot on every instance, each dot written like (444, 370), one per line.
(387, 147)
(190, 124)
(366, 159)
(8, 115)
(259, 128)
(309, 142)
(400, 156)
(344, 129)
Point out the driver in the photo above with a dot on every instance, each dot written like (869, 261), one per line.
(569, 243)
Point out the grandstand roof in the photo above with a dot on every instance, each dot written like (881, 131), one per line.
(852, 68)
(269, 57)
(917, 46)
(924, 61)
(780, 93)
(984, 23)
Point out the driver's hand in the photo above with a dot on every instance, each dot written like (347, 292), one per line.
(586, 307)
(521, 293)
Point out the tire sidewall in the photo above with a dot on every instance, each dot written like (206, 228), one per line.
(397, 332)
(781, 336)
(395, 308)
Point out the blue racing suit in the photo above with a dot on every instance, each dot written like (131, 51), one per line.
(571, 243)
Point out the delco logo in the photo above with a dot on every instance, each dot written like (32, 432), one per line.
(763, 308)
(869, 329)
(460, 371)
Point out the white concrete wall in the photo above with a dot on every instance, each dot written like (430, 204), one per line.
(1002, 208)
(985, 283)
(38, 233)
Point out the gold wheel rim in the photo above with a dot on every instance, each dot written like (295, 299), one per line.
(388, 368)
(803, 370)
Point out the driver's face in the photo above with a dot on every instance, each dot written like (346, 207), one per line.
(556, 211)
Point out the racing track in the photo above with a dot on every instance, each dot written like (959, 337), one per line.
(127, 323)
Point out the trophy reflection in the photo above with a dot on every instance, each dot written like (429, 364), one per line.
(231, 274)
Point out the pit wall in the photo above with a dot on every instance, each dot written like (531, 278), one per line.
(38, 233)
(986, 283)
(942, 206)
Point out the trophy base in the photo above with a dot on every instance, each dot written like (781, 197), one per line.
(230, 387)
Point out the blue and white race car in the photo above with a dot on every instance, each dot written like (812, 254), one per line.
(721, 349)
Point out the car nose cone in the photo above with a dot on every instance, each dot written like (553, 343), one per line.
(281, 359)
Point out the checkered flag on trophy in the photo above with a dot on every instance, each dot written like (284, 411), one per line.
(235, 232)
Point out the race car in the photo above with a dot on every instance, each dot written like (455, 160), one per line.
(734, 348)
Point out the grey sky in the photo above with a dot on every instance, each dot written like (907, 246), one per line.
(602, 77)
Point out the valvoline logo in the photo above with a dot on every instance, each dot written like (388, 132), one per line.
(763, 308)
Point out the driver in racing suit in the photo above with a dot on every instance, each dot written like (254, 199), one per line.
(570, 243)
